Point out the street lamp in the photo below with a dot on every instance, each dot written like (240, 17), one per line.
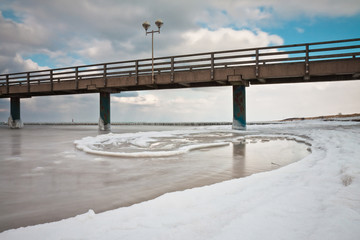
(146, 25)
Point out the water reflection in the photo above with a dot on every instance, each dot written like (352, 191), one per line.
(239, 154)
(16, 140)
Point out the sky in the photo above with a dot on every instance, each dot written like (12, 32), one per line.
(42, 34)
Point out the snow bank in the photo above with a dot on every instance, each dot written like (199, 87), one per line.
(315, 198)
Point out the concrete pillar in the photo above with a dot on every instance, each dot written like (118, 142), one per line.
(239, 107)
(14, 119)
(104, 121)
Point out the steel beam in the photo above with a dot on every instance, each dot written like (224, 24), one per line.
(104, 121)
(239, 107)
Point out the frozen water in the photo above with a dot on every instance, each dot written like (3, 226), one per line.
(43, 177)
(315, 198)
(151, 144)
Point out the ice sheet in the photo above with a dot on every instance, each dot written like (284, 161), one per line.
(153, 144)
(167, 143)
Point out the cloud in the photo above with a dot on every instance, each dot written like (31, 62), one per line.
(18, 64)
(300, 30)
(21, 34)
(81, 108)
(147, 99)
(271, 12)
(27, 64)
(270, 102)
(16, 39)
(96, 49)
(78, 32)
(205, 40)
(328, 8)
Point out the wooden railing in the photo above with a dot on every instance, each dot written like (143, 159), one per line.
(349, 48)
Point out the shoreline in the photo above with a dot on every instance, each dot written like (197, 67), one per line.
(339, 117)
(326, 118)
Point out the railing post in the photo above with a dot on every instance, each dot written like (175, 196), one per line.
(257, 63)
(137, 72)
(28, 81)
(77, 78)
(307, 73)
(212, 66)
(172, 70)
(105, 75)
(7, 84)
(52, 80)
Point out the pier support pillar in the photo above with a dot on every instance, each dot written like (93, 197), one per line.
(14, 120)
(239, 107)
(104, 120)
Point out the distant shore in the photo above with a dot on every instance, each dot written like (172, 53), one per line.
(349, 117)
(130, 123)
(338, 117)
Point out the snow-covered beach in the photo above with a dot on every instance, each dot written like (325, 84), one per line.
(317, 197)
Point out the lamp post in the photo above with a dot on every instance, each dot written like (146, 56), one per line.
(146, 26)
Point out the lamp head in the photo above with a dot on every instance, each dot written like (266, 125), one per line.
(159, 23)
(146, 25)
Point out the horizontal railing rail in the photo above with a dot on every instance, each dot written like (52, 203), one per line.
(306, 52)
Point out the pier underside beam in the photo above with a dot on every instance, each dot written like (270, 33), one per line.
(15, 119)
(239, 107)
(104, 120)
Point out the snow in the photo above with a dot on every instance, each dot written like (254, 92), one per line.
(149, 144)
(15, 123)
(103, 126)
(315, 198)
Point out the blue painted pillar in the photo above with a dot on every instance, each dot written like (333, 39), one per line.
(14, 119)
(239, 107)
(104, 121)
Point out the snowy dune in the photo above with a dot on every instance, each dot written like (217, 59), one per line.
(315, 198)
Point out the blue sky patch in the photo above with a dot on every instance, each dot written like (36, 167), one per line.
(42, 60)
(11, 15)
(319, 29)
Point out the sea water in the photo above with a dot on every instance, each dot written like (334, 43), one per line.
(48, 173)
